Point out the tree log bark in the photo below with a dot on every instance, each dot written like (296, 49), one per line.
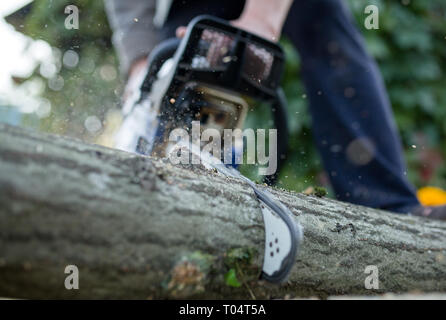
(137, 227)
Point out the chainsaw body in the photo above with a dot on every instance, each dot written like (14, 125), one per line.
(210, 76)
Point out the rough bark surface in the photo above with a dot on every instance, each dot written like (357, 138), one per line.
(137, 227)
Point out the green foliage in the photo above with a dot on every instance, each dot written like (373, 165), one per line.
(47, 22)
(239, 261)
(320, 192)
(410, 48)
(92, 87)
(231, 279)
(242, 256)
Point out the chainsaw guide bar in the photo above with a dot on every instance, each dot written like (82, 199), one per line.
(283, 235)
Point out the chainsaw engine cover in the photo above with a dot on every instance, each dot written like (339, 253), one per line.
(209, 76)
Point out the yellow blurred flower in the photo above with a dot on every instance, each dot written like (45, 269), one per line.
(431, 196)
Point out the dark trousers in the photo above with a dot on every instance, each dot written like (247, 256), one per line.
(353, 124)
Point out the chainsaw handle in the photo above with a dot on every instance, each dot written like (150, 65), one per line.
(162, 52)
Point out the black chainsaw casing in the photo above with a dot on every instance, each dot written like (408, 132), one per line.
(220, 56)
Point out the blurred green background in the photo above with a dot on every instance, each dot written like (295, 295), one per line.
(410, 48)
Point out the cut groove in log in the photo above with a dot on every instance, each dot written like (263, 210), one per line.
(137, 227)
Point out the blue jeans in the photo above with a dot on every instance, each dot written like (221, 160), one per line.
(353, 124)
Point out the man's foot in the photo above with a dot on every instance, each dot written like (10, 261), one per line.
(437, 212)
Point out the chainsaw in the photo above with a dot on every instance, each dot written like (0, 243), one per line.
(213, 76)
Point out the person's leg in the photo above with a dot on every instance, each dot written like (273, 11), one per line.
(352, 119)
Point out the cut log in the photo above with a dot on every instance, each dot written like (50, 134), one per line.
(137, 227)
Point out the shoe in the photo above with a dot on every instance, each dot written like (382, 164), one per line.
(434, 212)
